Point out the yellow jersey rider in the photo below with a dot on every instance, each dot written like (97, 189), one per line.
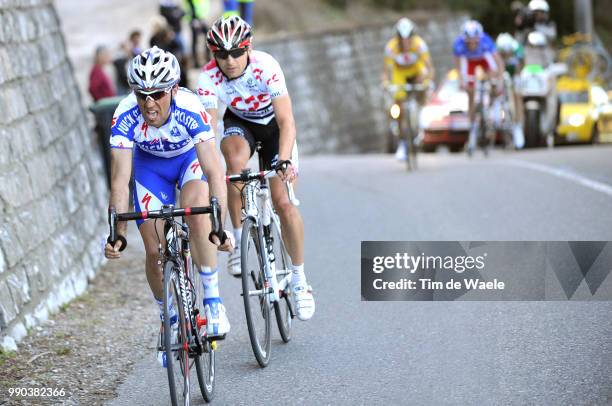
(407, 59)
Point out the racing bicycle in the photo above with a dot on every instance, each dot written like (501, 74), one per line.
(265, 263)
(408, 111)
(503, 113)
(184, 343)
(482, 102)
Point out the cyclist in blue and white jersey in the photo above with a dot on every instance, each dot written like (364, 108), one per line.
(166, 133)
(473, 48)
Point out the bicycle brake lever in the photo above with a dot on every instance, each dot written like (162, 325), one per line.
(294, 200)
(113, 237)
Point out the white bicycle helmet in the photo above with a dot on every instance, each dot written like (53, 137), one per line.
(506, 43)
(153, 70)
(229, 33)
(472, 29)
(539, 5)
(404, 28)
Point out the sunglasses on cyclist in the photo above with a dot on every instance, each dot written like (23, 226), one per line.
(143, 96)
(235, 53)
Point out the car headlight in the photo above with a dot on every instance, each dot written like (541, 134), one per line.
(576, 120)
(431, 114)
(395, 111)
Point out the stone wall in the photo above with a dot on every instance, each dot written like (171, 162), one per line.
(52, 190)
(334, 79)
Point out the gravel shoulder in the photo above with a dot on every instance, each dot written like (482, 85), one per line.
(89, 346)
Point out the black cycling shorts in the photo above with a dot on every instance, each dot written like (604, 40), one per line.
(267, 134)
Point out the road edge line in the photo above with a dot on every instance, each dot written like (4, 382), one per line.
(564, 174)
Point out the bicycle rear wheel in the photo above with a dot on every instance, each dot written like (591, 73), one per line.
(283, 307)
(205, 356)
(177, 355)
(254, 292)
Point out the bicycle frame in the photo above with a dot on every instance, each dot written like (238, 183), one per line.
(257, 205)
(179, 232)
(179, 254)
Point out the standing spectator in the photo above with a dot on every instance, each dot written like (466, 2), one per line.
(100, 84)
(197, 11)
(134, 43)
(173, 13)
(230, 8)
(522, 20)
(129, 49)
(246, 10)
(165, 38)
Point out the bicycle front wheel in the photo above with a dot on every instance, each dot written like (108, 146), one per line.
(487, 137)
(175, 336)
(411, 120)
(205, 368)
(283, 307)
(205, 356)
(254, 292)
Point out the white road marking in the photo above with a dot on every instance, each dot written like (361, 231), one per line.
(564, 174)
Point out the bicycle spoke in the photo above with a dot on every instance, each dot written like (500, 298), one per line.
(204, 358)
(283, 309)
(175, 337)
(256, 304)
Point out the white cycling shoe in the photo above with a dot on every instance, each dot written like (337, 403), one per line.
(217, 323)
(400, 154)
(304, 301)
(234, 263)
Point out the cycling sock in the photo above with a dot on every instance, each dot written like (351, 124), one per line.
(210, 280)
(238, 235)
(172, 310)
(297, 275)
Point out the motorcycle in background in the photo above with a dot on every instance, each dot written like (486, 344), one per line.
(537, 89)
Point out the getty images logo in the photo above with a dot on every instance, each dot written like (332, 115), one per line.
(412, 263)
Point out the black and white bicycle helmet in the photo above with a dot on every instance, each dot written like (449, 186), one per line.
(153, 70)
(229, 33)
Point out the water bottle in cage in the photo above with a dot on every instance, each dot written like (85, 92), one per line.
(271, 249)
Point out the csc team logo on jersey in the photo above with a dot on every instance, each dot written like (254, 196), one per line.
(203, 92)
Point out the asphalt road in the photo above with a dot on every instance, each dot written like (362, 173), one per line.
(426, 353)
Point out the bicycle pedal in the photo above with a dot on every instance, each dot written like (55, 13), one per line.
(216, 338)
(213, 345)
